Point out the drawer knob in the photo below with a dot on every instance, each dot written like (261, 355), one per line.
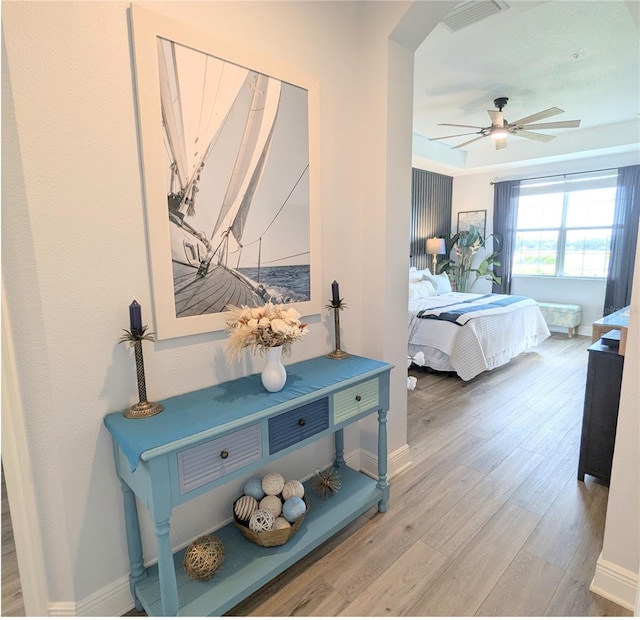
(302, 422)
(358, 398)
(224, 454)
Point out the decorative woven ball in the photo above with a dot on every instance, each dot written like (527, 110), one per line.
(272, 484)
(281, 523)
(293, 509)
(272, 503)
(253, 487)
(204, 556)
(293, 488)
(261, 521)
(244, 506)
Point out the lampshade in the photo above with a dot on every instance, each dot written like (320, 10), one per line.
(498, 132)
(435, 246)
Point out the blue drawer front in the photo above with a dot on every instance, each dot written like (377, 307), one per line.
(296, 425)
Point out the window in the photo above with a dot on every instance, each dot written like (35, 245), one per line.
(564, 226)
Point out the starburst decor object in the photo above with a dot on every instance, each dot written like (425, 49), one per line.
(326, 483)
(134, 336)
(336, 304)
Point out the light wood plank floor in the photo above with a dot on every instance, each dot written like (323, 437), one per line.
(490, 520)
(11, 590)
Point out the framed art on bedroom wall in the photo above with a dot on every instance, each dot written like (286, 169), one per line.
(472, 219)
(229, 145)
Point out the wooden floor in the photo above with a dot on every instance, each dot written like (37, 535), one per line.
(489, 520)
(11, 590)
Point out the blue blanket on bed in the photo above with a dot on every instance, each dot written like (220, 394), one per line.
(457, 312)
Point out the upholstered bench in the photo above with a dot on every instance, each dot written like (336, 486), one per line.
(561, 315)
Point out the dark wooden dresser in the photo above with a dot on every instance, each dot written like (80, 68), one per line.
(600, 417)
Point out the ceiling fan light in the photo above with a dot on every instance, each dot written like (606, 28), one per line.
(498, 133)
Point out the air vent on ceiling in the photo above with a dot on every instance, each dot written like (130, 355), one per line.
(472, 12)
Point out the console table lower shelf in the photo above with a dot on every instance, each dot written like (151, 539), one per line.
(247, 566)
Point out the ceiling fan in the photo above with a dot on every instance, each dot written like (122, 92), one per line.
(500, 128)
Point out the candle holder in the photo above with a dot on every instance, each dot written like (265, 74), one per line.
(142, 409)
(336, 306)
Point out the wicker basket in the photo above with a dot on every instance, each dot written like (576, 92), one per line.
(271, 538)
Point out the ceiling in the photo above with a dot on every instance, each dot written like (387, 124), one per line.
(580, 56)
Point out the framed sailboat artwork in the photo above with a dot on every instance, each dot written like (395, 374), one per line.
(229, 155)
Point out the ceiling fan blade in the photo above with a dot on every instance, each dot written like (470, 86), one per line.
(541, 137)
(501, 143)
(456, 135)
(552, 125)
(497, 118)
(537, 117)
(457, 146)
(454, 125)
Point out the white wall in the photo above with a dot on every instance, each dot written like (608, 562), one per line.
(74, 252)
(474, 192)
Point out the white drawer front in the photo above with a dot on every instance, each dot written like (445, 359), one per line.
(355, 400)
(218, 457)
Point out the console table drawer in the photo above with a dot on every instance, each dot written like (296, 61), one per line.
(355, 400)
(218, 457)
(292, 427)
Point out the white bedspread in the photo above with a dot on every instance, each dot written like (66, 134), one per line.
(481, 344)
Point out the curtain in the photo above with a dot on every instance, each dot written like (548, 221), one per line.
(624, 237)
(431, 196)
(505, 217)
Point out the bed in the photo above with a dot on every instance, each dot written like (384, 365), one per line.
(468, 333)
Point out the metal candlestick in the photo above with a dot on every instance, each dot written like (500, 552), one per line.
(336, 306)
(142, 409)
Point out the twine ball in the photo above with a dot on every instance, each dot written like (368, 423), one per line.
(203, 557)
(293, 488)
(272, 484)
(271, 503)
(261, 520)
(244, 507)
(293, 509)
(253, 487)
(281, 523)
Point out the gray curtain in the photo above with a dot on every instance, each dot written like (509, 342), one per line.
(505, 218)
(431, 195)
(624, 237)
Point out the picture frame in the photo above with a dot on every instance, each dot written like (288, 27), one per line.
(230, 163)
(476, 219)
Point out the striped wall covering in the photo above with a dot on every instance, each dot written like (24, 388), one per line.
(430, 213)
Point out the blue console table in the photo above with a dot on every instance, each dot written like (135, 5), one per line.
(206, 438)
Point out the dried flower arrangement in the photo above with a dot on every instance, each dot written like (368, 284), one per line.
(263, 327)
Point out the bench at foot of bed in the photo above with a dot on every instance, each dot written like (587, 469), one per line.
(561, 315)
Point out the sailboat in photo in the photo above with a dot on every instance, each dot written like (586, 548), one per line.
(219, 121)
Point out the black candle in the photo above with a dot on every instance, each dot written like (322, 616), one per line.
(135, 316)
(335, 293)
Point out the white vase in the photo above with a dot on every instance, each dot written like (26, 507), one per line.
(274, 375)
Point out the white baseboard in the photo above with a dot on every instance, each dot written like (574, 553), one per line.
(115, 599)
(615, 583)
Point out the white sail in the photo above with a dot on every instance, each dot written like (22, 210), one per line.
(193, 116)
(249, 163)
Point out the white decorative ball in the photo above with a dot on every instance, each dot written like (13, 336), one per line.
(293, 509)
(293, 488)
(272, 503)
(281, 523)
(272, 484)
(253, 487)
(244, 507)
(261, 521)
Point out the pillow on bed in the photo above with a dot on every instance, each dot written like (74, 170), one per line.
(415, 275)
(423, 288)
(440, 283)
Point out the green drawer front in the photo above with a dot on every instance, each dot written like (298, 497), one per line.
(355, 400)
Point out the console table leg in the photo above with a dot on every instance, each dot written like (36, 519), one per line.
(382, 461)
(339, 444)
(137, 571)
(166, 570)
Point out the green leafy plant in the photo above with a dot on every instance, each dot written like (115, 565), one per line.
(464, 246)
